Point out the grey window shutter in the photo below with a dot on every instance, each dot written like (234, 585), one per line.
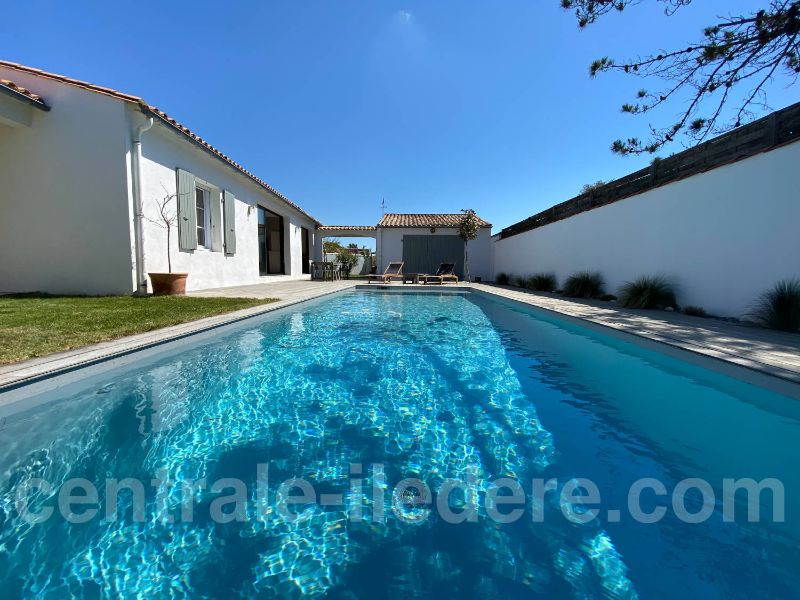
(229, 206)
(215, 212)
(187, 216)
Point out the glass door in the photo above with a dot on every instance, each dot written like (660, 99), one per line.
(270, 243)
(304, 241)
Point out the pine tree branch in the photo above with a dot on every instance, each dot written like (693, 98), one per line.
(742, 52)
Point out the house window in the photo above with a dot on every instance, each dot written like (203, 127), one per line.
(202, 210)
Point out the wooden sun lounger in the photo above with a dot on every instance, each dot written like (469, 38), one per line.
(444, 273)
(394, 270)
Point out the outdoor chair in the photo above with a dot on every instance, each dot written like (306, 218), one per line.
(444, 273)
(393, 271)
(317, 269)
(331, 271)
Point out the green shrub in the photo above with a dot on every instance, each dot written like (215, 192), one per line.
(347, 260)
(647, 292)
(608, 297)
(502, 279)
(520, 281)
(542, 282)
(779, 308)
(694, 311)
(585, 284)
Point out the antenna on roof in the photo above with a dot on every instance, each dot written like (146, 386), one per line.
(383, 206)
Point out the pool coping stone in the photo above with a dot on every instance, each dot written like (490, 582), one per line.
(776, 354)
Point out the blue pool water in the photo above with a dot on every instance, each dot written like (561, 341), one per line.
(432, 387)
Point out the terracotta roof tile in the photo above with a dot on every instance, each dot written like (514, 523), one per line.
(164, 117)
(28, 95)
(424, 220)
(350, 227)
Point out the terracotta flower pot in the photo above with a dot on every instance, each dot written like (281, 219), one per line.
(168, 284)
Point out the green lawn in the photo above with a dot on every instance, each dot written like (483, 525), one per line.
(36, 324)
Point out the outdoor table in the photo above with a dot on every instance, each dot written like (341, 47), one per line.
(325, 270)
(412, 277)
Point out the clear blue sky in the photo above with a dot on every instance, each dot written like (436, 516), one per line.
(435, 106)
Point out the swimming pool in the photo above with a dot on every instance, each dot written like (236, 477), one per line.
(357, 392)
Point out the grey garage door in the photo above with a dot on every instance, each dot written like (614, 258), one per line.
(424, 253)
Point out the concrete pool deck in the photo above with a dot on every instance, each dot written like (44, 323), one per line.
(765, 351)
(775, 353)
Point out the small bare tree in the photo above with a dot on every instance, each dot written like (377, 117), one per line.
(166, 219)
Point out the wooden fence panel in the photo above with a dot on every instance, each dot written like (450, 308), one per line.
(765, 134)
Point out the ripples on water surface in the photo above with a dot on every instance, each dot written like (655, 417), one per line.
(430, 386)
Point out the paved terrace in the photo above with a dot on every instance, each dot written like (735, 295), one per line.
(771, 352)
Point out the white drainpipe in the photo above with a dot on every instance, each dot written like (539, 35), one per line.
(138, 214)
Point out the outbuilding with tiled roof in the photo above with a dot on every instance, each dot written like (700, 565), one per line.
(422, 241)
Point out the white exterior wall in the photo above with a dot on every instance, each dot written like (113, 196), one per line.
(163, 151)
(390, 247)
(723, 237)
(294, 242)
(63, 194)
(66, 198)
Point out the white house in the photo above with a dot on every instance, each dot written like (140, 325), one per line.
(422, 241)
(82, 169)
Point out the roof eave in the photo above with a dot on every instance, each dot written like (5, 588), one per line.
(153, 111)
(149, 111)
(23, 98)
